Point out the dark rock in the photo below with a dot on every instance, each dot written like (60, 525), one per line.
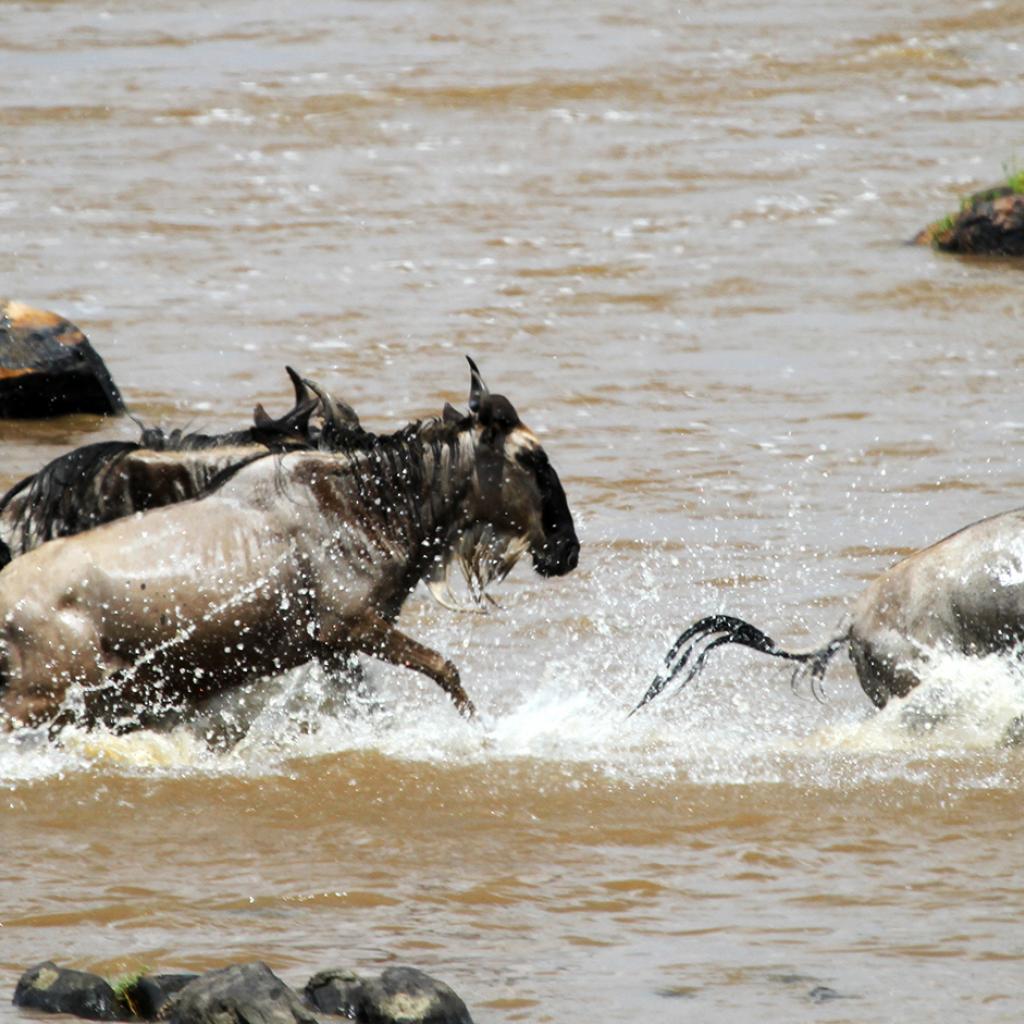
(60, 990)
(242, 994)
(335, 991)
(48, 367)
(401, 995)
(990, 222)
(147, 996)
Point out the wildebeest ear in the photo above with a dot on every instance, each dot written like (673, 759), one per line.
(451, 414)
(294, 422)
(479, 396)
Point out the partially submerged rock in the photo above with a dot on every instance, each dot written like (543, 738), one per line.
(401, 995)
(48, 367)
(990, 222)
(147, 995)
(60, 990)
(244, 994)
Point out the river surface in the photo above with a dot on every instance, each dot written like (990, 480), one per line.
(673, 234)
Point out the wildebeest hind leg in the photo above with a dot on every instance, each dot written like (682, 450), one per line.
(374, 635)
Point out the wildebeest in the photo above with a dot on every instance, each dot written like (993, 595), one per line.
(294, 556)
(99, 482)
(963, 595)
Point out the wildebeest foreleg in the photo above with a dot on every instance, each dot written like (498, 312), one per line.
(375, 635)
(345, 674)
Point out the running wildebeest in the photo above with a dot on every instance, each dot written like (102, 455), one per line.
(293, 556)
(106, 480)
(963, 595)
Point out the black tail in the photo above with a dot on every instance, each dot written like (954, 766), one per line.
(734, 631)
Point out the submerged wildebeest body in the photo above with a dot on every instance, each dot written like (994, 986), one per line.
(294, 556)
(963, 595)
(100, 482)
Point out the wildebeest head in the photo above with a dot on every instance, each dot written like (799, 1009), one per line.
(334, 423)
(517, 493)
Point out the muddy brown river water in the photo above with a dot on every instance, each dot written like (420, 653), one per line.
(673, 235)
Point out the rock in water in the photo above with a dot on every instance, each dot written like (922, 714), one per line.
(59, 990)
(147, 996)
(989, 223)
(243, 994)
(401, 995)
(48, 367)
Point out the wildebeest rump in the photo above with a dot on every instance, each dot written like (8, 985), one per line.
(964, 594)
(294, 556)
(100, 482)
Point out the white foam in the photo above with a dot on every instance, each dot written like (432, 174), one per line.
(964, 704)
(723, 730)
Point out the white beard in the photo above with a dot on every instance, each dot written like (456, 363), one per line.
(484, 556)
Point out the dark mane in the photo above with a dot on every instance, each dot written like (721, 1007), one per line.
(399, 480)
(99, 482)
(400, 450)
(52, 504)
(158, 440)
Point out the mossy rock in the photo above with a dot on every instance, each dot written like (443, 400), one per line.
(148, 996)
(400, 995)
(989, 223)
(243, 994)
(56, 989)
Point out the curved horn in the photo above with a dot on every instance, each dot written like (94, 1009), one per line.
(302, 393)
(338, 415)
(479, 396)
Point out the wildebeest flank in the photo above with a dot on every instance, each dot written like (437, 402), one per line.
(296, 556)
(964, 594)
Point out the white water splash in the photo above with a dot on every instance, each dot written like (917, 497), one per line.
(964, 704)
(752, 731)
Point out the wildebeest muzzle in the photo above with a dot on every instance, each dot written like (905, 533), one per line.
(559, 552)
